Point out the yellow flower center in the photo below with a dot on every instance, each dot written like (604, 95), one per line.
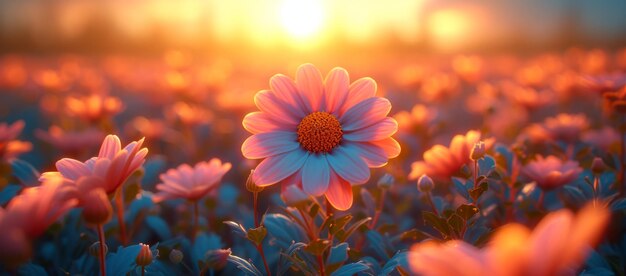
(319, 132)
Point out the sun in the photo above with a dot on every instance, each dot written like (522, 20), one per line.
(301, 18)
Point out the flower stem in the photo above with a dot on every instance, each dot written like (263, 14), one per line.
(321, 262)
(142, 270)
(257, 224)
(102, 244)
(194, 231)
(119, 204)
(255, 196)
(379, 209)
(541, 199)
(430, 202)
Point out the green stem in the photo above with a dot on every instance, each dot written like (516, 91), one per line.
(102, 245)
(119, 204)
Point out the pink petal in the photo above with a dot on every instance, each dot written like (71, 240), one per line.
(316, 175)
(359, 90)
(390, 146)
(337, 84)
(378, 131)
(310, 84)
(110, 147)
(278, 167)
(365, 113)
(115, 175)
(348, 165)
(259, 122)
(267, 144)
(339, 193)
(72, 169)
(275, 108)
(374, 156)
(287, 90)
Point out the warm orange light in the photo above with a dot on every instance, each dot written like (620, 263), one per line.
(301, 18)
(450, 28)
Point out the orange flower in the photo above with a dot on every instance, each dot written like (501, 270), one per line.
(94, 107)
(551, 172)
(419, 119)
(558, 245)
(441, 162)
(191, 183)
(9, 147)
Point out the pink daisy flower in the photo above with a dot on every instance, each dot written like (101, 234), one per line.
(191, 183)
(551, 172)
(322, 135)
(113, 164)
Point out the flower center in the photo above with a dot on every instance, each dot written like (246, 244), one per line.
(319, 132)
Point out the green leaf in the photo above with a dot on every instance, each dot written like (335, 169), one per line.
(413, 235)
(466, 211)
(338, 224)
(457, 223)
(440, 224)
(317, 247)
(475, 193)
(256, 235)
(342, 236)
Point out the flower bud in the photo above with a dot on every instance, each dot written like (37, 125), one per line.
(598, 166)
(94, 249)
(386, 181)
(217, 259)
(97, 209)
(176, 256)
(251, 186)
(478, 151)
(425, 184)
(144, 257)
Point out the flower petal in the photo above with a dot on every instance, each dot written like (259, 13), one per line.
(269, 143)
(278, 167)
(359, 90)
(286, 89)
(339, 193)
(348, 165)
(374, 156)
(336, 84)
(316, 175)
(365, 113)
(378, 131)
(110, 147)
(275, 108)
(390, 146)
(259, 122)
(72, 169)
(309, 82)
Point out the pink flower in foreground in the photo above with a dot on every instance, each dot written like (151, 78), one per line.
(36, 208)
(9, 146)
(322, 135)
(113, 164)
(558, 245)
(551, 172)
(441, 162)
(191, 183)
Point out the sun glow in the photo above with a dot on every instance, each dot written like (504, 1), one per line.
(301, 19)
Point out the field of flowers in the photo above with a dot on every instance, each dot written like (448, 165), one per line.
(437, 165)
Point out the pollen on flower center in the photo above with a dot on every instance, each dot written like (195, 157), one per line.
(319, 132)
